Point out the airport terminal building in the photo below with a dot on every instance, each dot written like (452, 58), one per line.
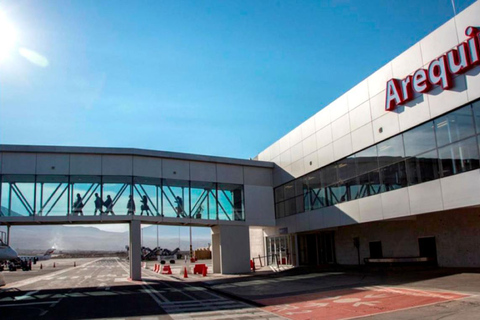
(390, 169)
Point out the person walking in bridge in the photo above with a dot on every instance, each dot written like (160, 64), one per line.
(98, 204)
(78, 205)
(131, 206)
(109, 205)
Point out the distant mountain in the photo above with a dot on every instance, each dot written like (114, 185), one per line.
(25, 238)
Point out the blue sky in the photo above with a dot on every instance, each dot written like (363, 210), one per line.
(212, 77)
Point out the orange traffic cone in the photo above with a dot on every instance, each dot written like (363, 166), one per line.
(185, 273)
(54, 264)
(74, 264)
(41, 266)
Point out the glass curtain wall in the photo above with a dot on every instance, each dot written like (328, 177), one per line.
(57, 195)
(446, 146)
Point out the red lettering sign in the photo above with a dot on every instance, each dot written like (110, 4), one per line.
(456, 61)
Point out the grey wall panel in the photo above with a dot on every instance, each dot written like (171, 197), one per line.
(229, 174)
(259, 206)
(258, 176)
(371, 208)
(1, 162)
(461, 190)
(235, 249)
(117, 165)
(85, 164)
(18, 163)
(203, 171)
(147, 167)
(176, 169)
(53, 164)
(426, 197)
(395, 203)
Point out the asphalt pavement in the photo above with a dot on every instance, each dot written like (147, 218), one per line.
(100, 289)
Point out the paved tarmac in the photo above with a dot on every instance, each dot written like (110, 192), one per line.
(99, 289)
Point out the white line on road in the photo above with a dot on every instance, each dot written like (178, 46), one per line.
(24, 304)
(26, 282)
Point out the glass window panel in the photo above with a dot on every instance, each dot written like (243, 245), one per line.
(422, 168)
(352, 189)
(454, 126)
(279, 195)
(147, 197)
(18, 195)
(369, 184)
(88, 187)
(332, 195)
(300, 204)
(280, 210)
(390, 151)
(476, 114)
(176, 197)
(289, 190)
(459, 157)
(230, 200)
(366, 160)
(328, 175)
(419, 139)
(318, 198)
(290, 207)
(52, 196)
(116, 195)
(346, 168)
(394, 176)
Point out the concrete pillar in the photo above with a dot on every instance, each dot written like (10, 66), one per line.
(135, 250)
(234, 249)
(8, 235)
(217, 268)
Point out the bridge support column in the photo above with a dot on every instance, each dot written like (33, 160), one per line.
(8, 235)
(135, 251)
(231, 249)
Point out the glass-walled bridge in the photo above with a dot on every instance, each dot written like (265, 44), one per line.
(60, 185)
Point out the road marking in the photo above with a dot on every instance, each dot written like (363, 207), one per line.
(24, 304)
(26, 296)
(50, 276)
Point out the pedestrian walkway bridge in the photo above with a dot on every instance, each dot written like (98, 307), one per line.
(63, 185)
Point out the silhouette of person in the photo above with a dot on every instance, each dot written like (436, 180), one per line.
(144, 206)
(98, 204)
(78, 205)
(109, 205)
(131, 205)
(179, 202)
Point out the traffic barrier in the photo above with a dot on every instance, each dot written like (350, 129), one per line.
(204, 271)
(167, 270)
(198, 269)
(252, 265)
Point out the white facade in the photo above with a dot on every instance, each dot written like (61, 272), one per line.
(357, 120)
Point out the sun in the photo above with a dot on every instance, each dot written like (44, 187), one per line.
(8, 37)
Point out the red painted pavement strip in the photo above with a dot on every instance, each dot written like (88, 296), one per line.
(351, 303)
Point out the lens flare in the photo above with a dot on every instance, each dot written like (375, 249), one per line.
(8, 37)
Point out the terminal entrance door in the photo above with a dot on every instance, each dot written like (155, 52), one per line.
(279, 250)
(317, 248)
